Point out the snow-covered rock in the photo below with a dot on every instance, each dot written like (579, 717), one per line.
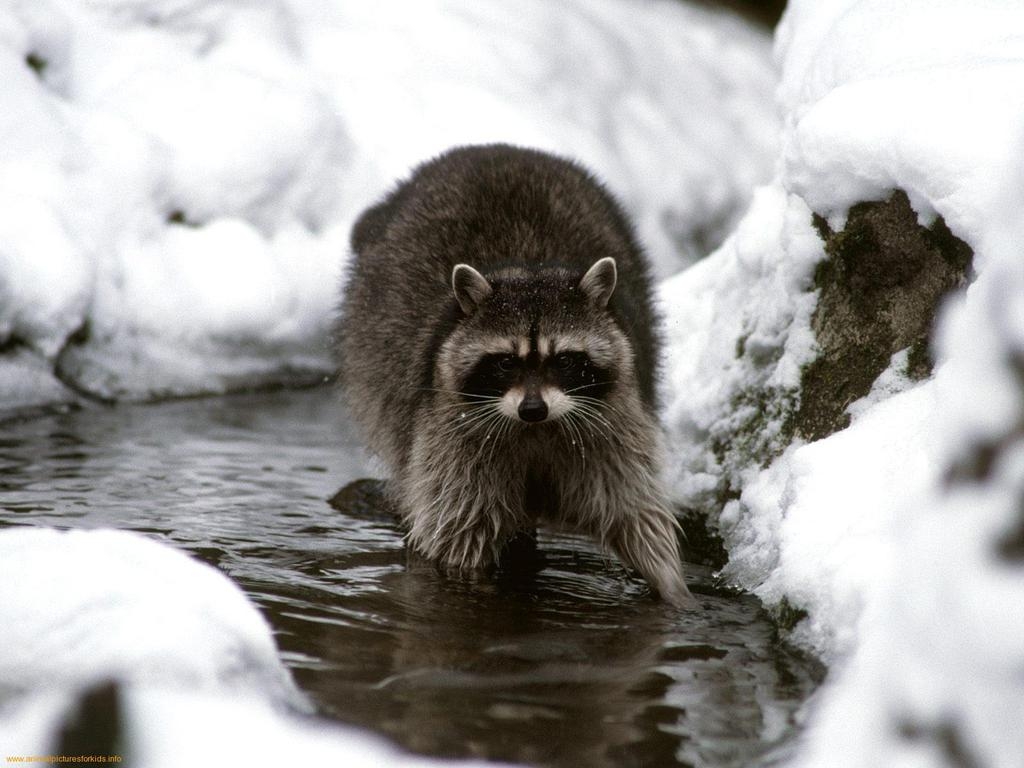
(898, 539)
(178, 178)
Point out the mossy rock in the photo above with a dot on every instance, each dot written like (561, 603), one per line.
(881, 285)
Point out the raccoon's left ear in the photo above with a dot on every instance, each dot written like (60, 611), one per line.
(599, 282)
(470, 287)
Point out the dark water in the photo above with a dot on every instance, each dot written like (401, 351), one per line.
(571, 664)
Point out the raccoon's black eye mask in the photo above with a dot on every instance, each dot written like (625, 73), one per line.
(565, 362)
(574, 372)
(493, 375)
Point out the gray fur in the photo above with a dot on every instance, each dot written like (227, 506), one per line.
(484, 251)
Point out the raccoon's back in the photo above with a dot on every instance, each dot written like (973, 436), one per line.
(489, 206)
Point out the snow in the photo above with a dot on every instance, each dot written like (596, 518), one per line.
(167, 729)
(201, 678)
(939, 641)
(752, 293)
(81, 607)
(179, 178)
(899, 536)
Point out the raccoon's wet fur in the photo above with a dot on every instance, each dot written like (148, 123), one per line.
(497, 345)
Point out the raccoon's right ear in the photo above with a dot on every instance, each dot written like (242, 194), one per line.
(599, 282)
(470, 287)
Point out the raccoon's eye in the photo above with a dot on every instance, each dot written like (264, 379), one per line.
(564, 361)
(508, 363)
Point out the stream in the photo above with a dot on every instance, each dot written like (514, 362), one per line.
(569, 663)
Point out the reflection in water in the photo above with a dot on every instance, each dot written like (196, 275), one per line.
(564, 662)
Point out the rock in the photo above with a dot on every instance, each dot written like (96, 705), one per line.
(880, 286)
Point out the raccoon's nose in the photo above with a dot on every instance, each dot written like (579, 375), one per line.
(533, 409)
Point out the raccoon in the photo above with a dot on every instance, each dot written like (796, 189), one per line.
(497, 345)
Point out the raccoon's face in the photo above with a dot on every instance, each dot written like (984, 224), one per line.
(535, 350)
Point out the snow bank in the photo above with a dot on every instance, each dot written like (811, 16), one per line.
(899, 538)
(82, 607)
(200, 679)
(934, 676)
(178, 178)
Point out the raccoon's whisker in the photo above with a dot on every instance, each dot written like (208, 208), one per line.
(456, 392)
(469, 421)
(504, 429)
(465, 400)
(582, 444)
(593, 402)
(596, 404)
(491, 425)
(565, 425)
(586, 406)
(594, 434)
(588, 386)
(472, 404)
(475, 422)
(479, 400)
(580, 427)
(601, 404)
(588, 399)
(575, 435)
(595, 408)
(591, 411)
(594, 422)
(463, 396)
(494, 438)
(468, 415)
(596, 429)
(475, 409)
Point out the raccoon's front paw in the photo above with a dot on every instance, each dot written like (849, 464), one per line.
(449, 565)
(461, 572)
(665, 577)
(676, 594)
(470, 555)
(647, 543)
(420, 561)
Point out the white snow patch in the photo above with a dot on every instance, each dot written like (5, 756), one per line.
(168, 729)
(81, 607)
(743, 312)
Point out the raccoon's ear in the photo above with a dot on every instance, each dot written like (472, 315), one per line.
(470, 287)
(599, 282)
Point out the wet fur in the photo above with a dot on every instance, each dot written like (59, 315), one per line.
(532, 224)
